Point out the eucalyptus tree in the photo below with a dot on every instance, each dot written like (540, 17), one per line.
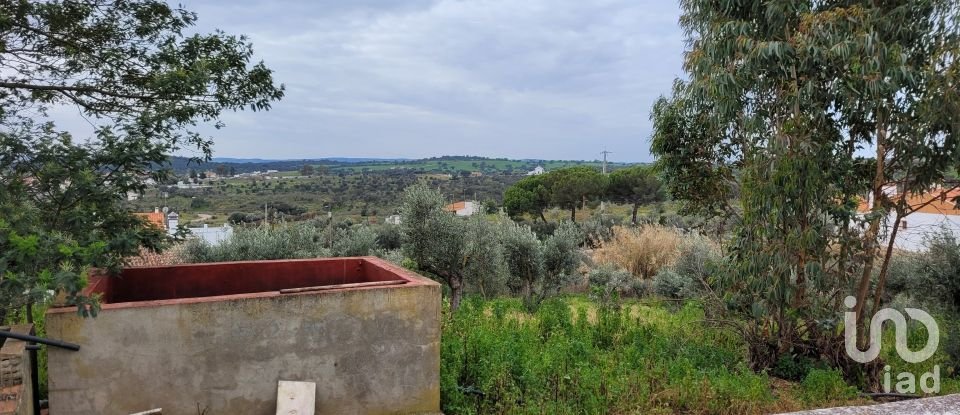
(782, 104)
(132, 71)
(457, 251)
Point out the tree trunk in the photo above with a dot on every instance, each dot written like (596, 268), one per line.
(633, 216)
(870, 237)
(527, 293)
(882, 278)
(573, 213)
(543, 218)
(456, 293)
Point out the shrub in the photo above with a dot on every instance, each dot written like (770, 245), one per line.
(671, 284)
(598, 229)
(822, 385)
(571, 357)
(689, 274)
(283, 241)
(607, 282)
(394, 255)
(543, 229)
(538, 268)
(941, 269)
(388, 236)
(358, 240)
(904, 275)
(642, 252)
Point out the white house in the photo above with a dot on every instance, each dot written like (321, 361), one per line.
(392, 220)
(536, 171)
(466, 208)
(212, 235)
(933, 212)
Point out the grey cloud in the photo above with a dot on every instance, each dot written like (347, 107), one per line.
(530, 79)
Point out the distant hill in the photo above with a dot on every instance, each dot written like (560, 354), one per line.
(445, 164)
(319, 160)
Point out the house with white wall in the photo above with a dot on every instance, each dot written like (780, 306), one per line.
(933, 212)
(536, 171)
(393, 220)
(465, 208)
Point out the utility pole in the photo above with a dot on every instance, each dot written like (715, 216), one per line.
(603, 206)
(605, 152)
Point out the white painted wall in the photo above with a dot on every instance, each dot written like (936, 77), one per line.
(921, 224)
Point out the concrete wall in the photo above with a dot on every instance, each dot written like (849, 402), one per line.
(373, 350)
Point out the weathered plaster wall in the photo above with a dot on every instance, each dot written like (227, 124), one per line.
(371, 351)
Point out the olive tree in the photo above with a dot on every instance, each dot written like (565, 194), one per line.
(540, 268)
(131, 68)
(453, 250)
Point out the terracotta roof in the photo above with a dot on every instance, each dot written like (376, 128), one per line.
(148, 258)
(943, 202)
(155, 218)
(453, 207)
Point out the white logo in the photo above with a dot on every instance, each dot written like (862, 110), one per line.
(906, 381)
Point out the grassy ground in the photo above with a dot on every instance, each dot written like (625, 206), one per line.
(573, 357)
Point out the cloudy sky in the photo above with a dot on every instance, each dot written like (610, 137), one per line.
(545, 79)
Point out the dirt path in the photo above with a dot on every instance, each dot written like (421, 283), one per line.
(202, 217)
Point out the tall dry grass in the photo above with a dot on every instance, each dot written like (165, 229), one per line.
(641, 251)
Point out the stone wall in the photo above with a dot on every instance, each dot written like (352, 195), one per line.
(15, 392)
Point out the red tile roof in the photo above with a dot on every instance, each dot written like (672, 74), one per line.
(942, 202)
(154, 218)
(453, 207)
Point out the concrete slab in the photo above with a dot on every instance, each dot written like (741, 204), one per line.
(940, 405)
(296, 398)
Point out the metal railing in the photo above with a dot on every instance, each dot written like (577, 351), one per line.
(33, 345)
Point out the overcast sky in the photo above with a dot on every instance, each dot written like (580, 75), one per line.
(545, 79)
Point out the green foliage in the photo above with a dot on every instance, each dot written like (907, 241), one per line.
(940, 270)
(359, 240)
(572, 186)
(131, 66)
(283, 241)
(607, 282)
(313, 239)
(307, 170)
(571, 357)
(538, 268)
(635, 185)
(530, 195)
(599, 229)
(826, 385)
(778, 99)
(696, 265)
(388, 236)
(456, 251)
